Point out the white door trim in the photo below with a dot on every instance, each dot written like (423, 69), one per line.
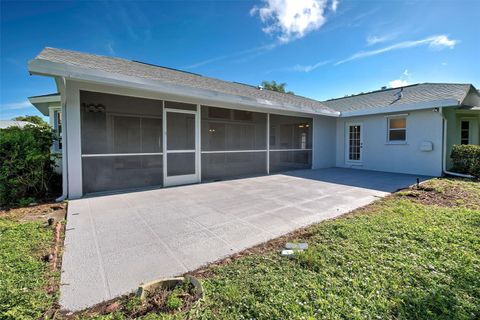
(347, 143)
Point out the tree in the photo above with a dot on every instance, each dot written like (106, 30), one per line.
(32, 119)
(274, 86)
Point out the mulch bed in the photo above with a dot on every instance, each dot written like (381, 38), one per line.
(453, 196)
(38, 212)
(165, 301)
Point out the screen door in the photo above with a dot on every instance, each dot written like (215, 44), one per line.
(181, 155)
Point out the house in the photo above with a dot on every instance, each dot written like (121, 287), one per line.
(129, 124)
(50, 105)
(13, 123)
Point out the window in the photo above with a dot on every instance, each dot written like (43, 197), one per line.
(397, 129)
(57, 126)
(464, 132)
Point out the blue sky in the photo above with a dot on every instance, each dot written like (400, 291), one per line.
(320, 48)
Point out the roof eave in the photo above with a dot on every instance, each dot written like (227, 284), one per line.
(48, 68)
(402, 108)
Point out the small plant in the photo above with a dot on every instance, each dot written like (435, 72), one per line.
(133, 304)
(173, 301)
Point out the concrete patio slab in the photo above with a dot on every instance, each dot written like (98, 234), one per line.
(115, 242)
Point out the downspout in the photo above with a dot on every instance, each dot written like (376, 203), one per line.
(63, 99)
(444, 151)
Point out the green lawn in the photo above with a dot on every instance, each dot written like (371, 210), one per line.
(23, 275)
(395, 259)
(414, 255)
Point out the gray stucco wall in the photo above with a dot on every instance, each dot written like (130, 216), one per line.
(378, 154)
(324, 142)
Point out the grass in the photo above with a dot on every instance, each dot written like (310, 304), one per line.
(413, 255)
(23, 275)
(395, 259)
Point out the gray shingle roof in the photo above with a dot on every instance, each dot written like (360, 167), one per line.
(416, 93)
(147, 71)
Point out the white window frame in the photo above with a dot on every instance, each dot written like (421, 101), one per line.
(396, 116)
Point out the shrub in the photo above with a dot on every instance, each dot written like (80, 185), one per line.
(26, 165)
(466, 159)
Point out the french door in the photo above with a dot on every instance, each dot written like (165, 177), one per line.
(354, 142)
(181, 147)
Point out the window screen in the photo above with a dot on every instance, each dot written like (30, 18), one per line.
(120, 124)
(290, 132)
(290, 143)
(290, 160)
(232, 130)
(113, 124)
(227, 165)
(116, 173)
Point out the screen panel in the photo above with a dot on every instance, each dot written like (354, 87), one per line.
(290, 160)
(229, 165)
(288, 132)
(232, 130)
(116, 173)
(120, 124)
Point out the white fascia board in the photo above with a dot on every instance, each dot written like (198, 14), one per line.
(47, 99)
(44, 103)
(402, 108)
(48, 68)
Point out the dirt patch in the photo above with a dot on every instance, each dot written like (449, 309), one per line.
(43, 212)
(445, 193)
(179, 299)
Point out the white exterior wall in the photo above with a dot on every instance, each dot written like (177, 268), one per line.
(324, 142)
(378, 154)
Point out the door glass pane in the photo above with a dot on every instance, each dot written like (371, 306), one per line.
(354, 143)
(151, 135)
(180, 131)
(180, 163)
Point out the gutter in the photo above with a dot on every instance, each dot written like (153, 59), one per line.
(444, 152)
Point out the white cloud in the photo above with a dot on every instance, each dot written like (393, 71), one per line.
(398, 83)
(17, 105)
(435, 42)
(334, 5)
(406, 73)
(371, 40)
(243, 53)
(442, 41)
(444, 63)
(308, 68)
(291, 19)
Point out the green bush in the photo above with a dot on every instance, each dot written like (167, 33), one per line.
(26, 165)
(466, 159)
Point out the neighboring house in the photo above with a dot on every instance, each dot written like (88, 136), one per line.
(13, 123)
(50, 105)
(128, 124)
